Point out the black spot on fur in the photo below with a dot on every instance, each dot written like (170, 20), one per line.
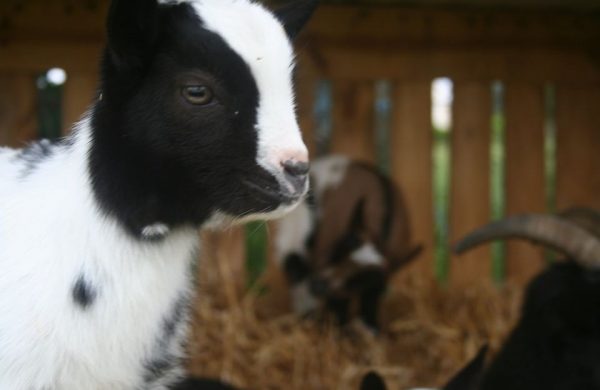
(159, 367)
(162, 361)
(36, 153)
(83, 293)
(178, 314)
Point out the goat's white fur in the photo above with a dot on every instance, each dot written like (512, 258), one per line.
(366, 255)
(52, 232)
(327, 173)
(259, 38)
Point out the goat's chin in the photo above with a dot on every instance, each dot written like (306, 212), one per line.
(222, 221)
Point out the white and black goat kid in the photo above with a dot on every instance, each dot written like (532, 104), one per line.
(345, 240)
(194, 127)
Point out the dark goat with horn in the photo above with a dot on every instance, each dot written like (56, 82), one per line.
(341, 245)
(556, 344)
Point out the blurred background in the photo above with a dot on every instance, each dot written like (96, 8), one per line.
(477, 108)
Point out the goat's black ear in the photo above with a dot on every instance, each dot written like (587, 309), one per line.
(470, 376)
(372, 381)
(295, 15)
(132, 30)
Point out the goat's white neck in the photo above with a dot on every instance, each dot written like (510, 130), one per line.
(88, 306)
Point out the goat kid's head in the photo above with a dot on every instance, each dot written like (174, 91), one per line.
(360, 259)
(362, 228)
(197, 107)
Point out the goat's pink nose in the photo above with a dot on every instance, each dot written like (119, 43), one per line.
(298, 156)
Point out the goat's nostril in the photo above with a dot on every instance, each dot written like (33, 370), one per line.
(296, 168)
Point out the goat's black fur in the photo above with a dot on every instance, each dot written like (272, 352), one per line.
(556, 344)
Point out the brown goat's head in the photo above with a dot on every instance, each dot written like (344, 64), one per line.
(345, 241)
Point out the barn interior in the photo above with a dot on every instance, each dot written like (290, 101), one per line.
(478, 109)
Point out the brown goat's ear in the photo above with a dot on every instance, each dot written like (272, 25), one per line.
(295, 15)
(358, 217)
(372, 381)
(469, 377)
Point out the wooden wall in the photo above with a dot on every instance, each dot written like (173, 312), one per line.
(526, 51)
(353, 47)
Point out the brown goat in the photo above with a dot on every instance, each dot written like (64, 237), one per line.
(345, 241)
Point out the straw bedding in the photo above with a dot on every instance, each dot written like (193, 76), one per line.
(253, 341)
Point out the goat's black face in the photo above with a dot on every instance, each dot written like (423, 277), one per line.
(556, 344)
(197, 119)
(565, 296)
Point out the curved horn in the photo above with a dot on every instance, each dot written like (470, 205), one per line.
(587, 218)
(549, 230)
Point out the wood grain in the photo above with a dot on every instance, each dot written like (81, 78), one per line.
(18, 108)
(578, 141)
(470, 203)
(412, 162)
(525, 177)
(353, 119)
(78, 94)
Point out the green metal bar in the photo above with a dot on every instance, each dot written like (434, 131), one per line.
(49, 109)
(442, 160)
(383, 124)
(550, 154)
(498, 177)
(256, 253)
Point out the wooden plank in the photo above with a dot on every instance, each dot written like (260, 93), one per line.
(470, 204)
(578, 142)
(375, 61)
(420, 27)
(525, 177)
(53, 20)
(353, 119)
(18, 108)
(79, 92)
(38, 57)
(411, 147)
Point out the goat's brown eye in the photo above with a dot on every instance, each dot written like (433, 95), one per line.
(198, 95)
